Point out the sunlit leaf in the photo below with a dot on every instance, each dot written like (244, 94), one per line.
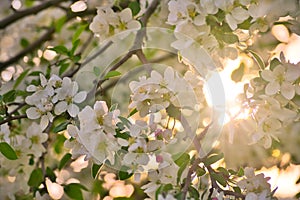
(8, 151)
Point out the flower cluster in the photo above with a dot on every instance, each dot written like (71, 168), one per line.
(108, 23)
(53, 97)
(272, 97)
(256, 186)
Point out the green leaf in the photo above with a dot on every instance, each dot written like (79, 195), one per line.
(258, 59)
(135, 7)
(35, 73)
(63, 68)
(193, 192)
(219, 178)
(163, 188)
(240, 173)
(60, 127)
(36, 178)
(173, 111)
(212, 159)
(223, 171)
(125, 121)
(238, 73)
(275, 62)
(246, 24)
(9, 96)
(78, 32)
(8, 151)
(20, 78)
(24, 42)
(60, 50)
(132, 112)
(112, 74)
(182, 161)
(123, 174)
(237, 190)
(74, 47)
(113, 107)
(73, 190)
(200, 171)
(95, 170)
(50, 174)
(28, 3)
(229, 38)
(59, 23)
(64, 160)
(97, 71)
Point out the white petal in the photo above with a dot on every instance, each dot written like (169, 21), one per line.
(31, 88)
(199, 20)
(134, 25)
(126, 15)
(231, 21)
(80, 97)
(60, 107)
(272, 88)
(267, 75)
(43, 80)
(73, 110)
(33, 113)
(122, 142)
(240, 14)
(44, 122)
(72, 130)
(287, 90)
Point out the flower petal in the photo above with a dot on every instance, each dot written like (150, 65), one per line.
(287, 90)
(80, 97)
(272, 88)
(60, 107)
(44, 122)
(267, 75)
(73, 110)
(33, 113)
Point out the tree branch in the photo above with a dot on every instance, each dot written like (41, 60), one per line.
(30, 11)
(188, 179)
(13, 118)
(45, 37)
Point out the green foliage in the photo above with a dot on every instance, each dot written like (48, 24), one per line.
(123, 174)
(219, 178)
(182, 161)
(67, 157)
(112, 74)
(36, 178)
(213, 158)
(73, 190)
(258, 59)
(163, 189)
(60, 127)
(8, 151)
(95, 170)
(20, 78)
(10, 96)
(135, 7)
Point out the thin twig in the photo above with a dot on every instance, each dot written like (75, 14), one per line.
(188, 179)
(30, 11)
(13, 118)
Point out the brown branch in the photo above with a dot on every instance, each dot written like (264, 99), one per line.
(45, 37)
(9, 119)
(30, 11)
(188, 179)
(138, 40)
(218, 188)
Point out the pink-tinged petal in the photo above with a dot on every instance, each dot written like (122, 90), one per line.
(100, 108)
(272, 88)
(279, 70)
(80, 97)
(287, 90)
(44, 122)
(73, 110)
(33, 113)
(267, 75)
(60, 107)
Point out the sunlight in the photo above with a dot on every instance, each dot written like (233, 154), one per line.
(231, 89)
